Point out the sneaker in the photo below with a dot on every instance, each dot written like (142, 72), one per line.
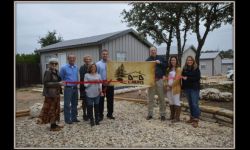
(163, 118)
(149, 117)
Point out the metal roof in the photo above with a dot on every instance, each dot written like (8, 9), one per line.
(227, 61)
(93, 40)
(209, 55)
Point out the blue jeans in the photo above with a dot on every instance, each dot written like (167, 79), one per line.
(70, 103)
(193, 101)
(93, 100)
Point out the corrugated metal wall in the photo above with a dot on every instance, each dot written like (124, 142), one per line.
(135, 50)
(209, 66)
(217, 65)
(79, 52)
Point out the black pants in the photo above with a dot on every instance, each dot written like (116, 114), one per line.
(110, 101)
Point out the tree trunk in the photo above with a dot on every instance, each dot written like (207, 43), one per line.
(169, 44)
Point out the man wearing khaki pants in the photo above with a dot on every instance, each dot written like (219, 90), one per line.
(157, 89)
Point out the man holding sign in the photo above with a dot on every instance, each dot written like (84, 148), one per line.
(157, 89)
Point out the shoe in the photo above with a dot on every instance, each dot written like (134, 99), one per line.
(149, 117)
(101, 118)
(76, 120)
(69, 122)
(59, 126)
(85, 118)
(92, 123)
(39, 121)
(190, 120)
(195, 123)
(97, 123)
(55, 128)
(110, 117)
(163, 118)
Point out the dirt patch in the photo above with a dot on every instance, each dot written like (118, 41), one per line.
(25, 98)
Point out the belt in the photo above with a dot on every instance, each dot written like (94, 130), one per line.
(73, 87)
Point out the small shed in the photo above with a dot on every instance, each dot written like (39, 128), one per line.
(227, 64)
(210, 63)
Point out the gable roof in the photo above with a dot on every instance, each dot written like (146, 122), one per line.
(209, 55)
(93, 40)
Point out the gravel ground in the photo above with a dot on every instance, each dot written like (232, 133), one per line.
(130, 129)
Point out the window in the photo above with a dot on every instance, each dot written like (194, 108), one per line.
(121, 56)
(203, 66)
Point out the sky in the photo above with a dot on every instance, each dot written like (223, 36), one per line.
(73, 20)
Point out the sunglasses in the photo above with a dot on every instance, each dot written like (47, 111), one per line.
(54, 63)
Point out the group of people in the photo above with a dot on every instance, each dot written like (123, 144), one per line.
(93, 92)
(169, 79)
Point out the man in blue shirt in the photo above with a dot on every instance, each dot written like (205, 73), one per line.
(108, 89)
(160, 72)
(69, 73)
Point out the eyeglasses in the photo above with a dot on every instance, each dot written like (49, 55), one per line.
(54, 63)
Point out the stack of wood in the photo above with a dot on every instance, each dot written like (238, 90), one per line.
(22, 113)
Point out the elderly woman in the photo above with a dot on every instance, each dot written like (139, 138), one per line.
(50, 112)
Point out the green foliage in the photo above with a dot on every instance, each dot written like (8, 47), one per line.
(162, 21)
(49, 39)
(227, 54)
(27, 58)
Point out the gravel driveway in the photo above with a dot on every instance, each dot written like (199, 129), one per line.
(130, 129)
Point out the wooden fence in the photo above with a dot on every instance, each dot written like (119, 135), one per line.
(27, 74)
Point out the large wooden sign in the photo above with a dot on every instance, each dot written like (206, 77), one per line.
(131, 73)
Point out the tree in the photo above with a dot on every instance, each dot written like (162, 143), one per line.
(120, 73)
(150, 19)
(161, 21)
(49, 39)
(227, 54)
(28, 58)
(211, 15)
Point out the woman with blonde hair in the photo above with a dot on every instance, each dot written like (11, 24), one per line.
(87, 59)
(191, 84)
(173, 88)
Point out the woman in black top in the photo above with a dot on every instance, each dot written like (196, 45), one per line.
(191, 84)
